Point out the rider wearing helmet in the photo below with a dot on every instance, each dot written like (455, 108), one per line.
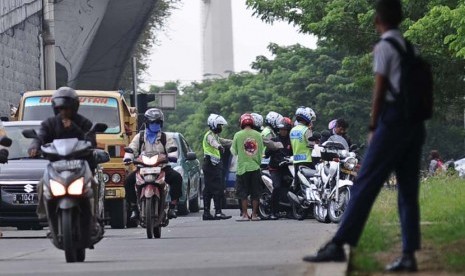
(271, 124)
(66, 123)
(248, 146)
(257, 121)
(154, 141)
(300, 134)
(213, 147)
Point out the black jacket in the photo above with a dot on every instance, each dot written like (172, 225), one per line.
(277, 156)
(52, 128)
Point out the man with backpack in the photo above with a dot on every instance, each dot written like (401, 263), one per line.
(396, 137)
(152, 140)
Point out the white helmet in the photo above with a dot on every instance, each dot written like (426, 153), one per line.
(257, 120)
(273, 119)
(214, 120)
(305, 113)
(332, 124)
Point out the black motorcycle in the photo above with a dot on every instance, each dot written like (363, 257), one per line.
(73, 196)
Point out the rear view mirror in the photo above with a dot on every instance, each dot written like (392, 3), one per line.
(172, 149)
(99, 128)
(101, 156)
(5, 141)
(191, 156)
(128, 150)
(353, 147)
(30, 133)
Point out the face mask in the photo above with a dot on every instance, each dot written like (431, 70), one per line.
(154, 127)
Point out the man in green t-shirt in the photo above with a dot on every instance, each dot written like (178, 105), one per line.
(248, 146)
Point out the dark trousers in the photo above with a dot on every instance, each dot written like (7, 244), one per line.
(172, 177)
(394, 147)
(214, 185)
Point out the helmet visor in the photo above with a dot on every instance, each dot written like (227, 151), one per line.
(62, 103)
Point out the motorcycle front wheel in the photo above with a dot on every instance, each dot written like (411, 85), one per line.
(67, 232)
(337, 206)
(264, 205)
(320, 213)
(149, 217)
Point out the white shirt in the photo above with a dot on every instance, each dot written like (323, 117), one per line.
(387, 61)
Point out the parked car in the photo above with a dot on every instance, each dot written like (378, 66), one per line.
(19, 178)
(189, 167)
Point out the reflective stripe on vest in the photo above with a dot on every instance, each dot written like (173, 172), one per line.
(299, 144)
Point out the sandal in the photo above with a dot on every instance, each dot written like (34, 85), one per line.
(243, 219)
(255, 219)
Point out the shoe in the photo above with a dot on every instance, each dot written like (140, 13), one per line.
(243, 219)
(406, 263)
(172, 214)
(331, 252)
(222, 216)
(208, 216)
(273, 217)
(134, 215)
(255, 219)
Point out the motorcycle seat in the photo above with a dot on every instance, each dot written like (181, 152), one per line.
(307, 172)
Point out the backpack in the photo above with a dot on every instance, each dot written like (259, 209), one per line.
(415, 98)
(141, 140)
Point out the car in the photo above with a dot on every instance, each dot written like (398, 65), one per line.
(18, 180)
(188, 166)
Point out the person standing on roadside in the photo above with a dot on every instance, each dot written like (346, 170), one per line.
(213, 147)
(248, 146)
(395, 144)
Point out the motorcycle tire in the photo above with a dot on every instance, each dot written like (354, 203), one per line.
(337, 206)
(264, 205)
(67, 232)
(149, 217)
(321, 213)
(157, 232)
(80, 255)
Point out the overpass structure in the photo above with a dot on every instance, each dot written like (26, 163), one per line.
(94, 40)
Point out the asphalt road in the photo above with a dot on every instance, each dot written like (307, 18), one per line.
(189, 246)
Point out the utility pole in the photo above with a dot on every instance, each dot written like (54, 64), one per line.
(134, 82)
(49, 44)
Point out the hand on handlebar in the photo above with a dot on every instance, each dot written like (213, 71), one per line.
(127, 161)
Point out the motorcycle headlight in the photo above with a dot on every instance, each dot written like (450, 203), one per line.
(344, 153)
(106, 177)
(116, 178)
(149, 160)
(57, 188)
(350, 163)
(149, 178)
(75, 188)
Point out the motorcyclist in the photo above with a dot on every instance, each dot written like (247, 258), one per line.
(66, 123)
(213, 147)
(154, 141)
(271, 124)
(338, 130)
(279, 172)
(300, 134)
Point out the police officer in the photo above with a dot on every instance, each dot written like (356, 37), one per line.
(300, 134)
(213, 147)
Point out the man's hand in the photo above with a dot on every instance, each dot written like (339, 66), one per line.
(66, 122)
(221, 149)
(127, 161)
(33, 152)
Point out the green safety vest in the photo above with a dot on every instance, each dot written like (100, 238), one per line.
(209, 149)
(302, 153)
(267, 131)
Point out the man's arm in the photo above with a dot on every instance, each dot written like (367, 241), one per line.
(379, 94)
(233, 146)
(225, 142)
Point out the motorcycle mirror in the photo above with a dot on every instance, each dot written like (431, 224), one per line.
(172, 149)
(101, 156)
(353, 147)
(99, 128)
(128, 150)
(191, 156)
(5, 141)
(30, 133)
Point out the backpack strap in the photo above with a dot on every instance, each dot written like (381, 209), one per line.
(142, 141)
(402, 53)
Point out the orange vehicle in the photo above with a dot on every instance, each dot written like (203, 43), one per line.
(107, 107)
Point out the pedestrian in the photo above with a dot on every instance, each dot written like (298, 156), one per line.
(248, 146)
(213, 147)
(435, 164)
(394, 145)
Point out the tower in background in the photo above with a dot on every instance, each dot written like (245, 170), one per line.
(217, 38)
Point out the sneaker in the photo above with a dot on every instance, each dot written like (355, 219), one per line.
(222, 216)
(207, 216)
(172, 214)
(273, 217)
(331, 252)
(406, 263)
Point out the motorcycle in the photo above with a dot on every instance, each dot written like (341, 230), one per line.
(335, 174)
(264, 205)
(74, 198)
(152, 191)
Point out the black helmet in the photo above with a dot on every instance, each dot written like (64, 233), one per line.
(65, 97)
(154, 115)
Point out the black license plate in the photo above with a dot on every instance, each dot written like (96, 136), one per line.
(25, 199)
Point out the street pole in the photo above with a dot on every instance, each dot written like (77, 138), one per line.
(49, 44)
(134, 83)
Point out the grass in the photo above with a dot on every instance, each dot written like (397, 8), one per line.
(442, 203)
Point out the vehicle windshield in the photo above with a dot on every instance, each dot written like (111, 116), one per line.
(96, 109)
(18, 148)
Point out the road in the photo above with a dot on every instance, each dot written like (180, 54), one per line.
(189, 246)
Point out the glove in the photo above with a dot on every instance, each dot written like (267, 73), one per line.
(127, 161)
(3, 156)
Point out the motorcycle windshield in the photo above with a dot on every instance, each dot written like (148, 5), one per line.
(65, 147)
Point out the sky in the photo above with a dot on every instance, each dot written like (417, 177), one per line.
(178, 54)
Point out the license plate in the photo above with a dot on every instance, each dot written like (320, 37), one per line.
(25, 199)
(154, 170)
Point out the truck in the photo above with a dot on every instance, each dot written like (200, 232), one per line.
(107, 107)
